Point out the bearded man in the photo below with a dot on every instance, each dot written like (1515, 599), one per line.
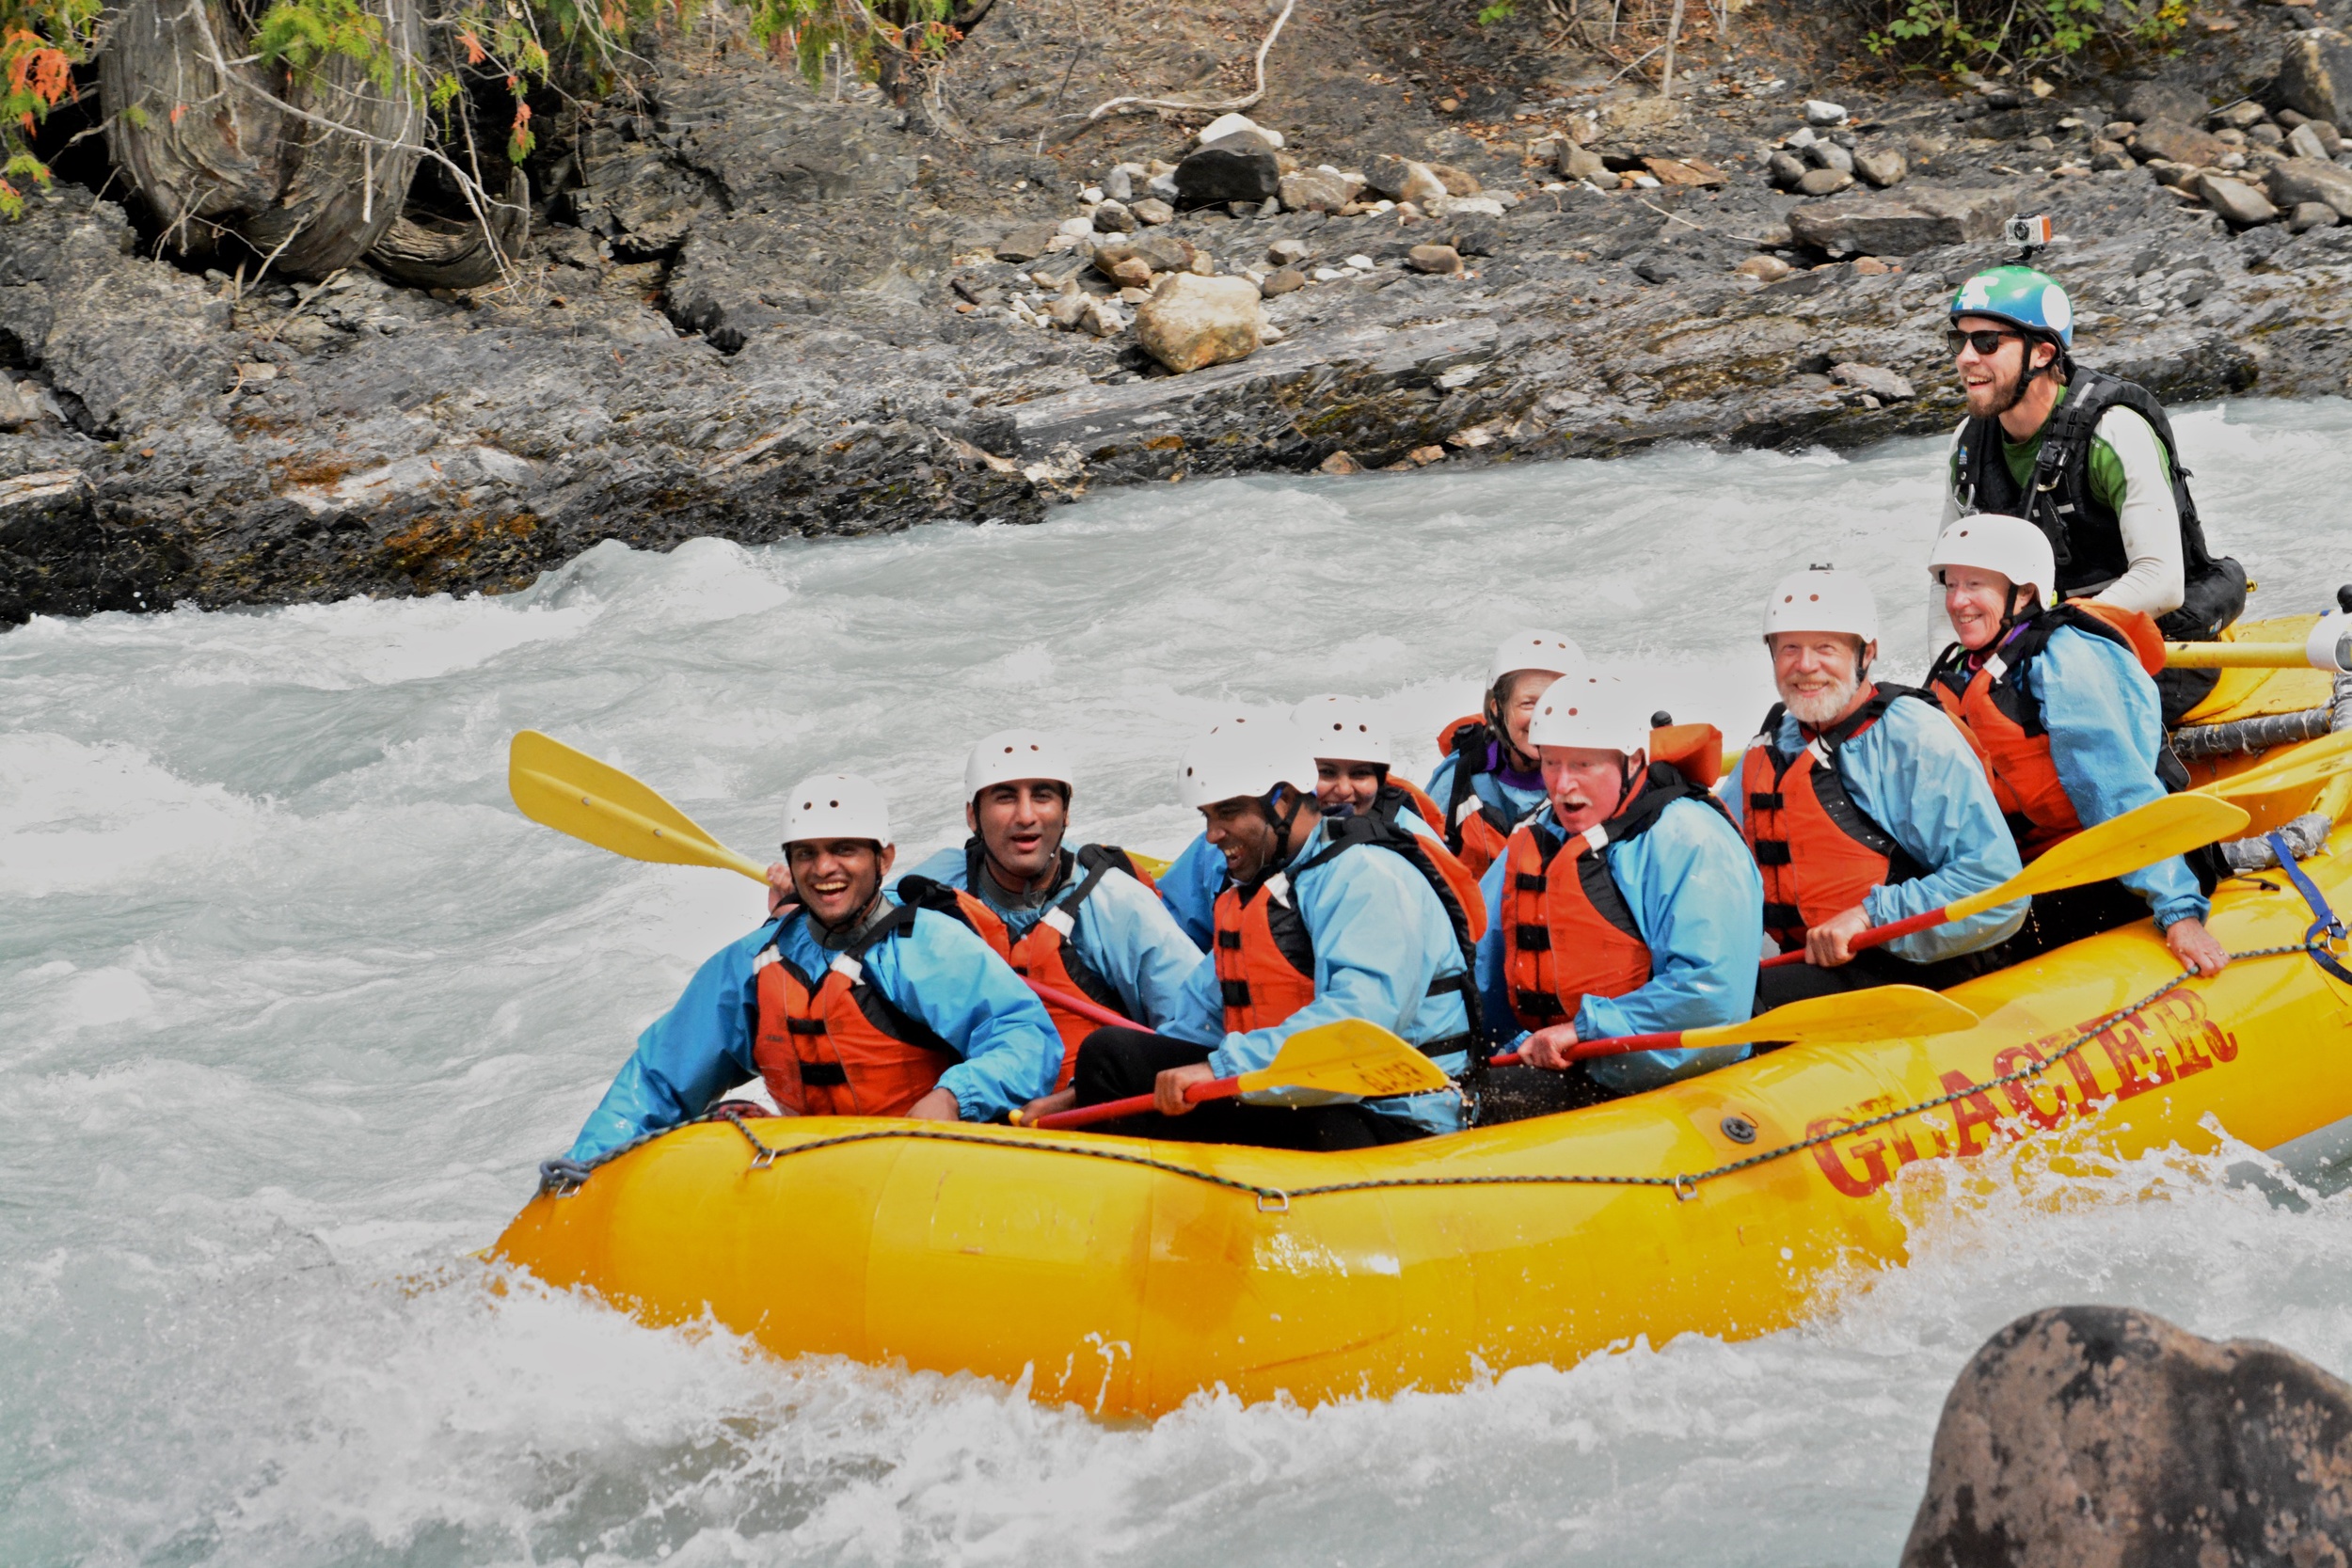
(1863, 805)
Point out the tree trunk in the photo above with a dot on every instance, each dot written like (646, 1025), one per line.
(224, 170)
(432, 252)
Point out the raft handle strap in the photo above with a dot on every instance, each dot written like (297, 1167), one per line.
(2326, 928)
(1273, 1200)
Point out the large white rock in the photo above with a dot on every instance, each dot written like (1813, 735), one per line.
(1226, 125)
(1191, 321)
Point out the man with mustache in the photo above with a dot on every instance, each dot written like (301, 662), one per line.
(1863, 805)
(847, 1003)
(1626, 906)
(2089, 459)
(1325, 918)
(1084, 923)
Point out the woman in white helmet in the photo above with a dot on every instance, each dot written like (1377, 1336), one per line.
(1324, 918)
(1626, 906)
(1490, 778)
(1863, 805)
(850, 1003)
(1084, 923)
(2060, 700)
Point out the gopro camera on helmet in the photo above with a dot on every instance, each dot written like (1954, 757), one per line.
(2027, 234)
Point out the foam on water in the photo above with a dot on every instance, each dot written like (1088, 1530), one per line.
(296, 1001)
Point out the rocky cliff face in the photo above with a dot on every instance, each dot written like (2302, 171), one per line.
(758, 310)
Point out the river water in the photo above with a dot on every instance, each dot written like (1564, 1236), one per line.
(296, 1000)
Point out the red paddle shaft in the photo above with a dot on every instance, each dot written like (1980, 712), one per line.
(1876, 936)
(1081, 1006)
(1134, 1105)
(1584, 1049)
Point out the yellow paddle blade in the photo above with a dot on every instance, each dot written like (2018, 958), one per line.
(1152, 864)
(1347, 1056)
(1883, 1012)
(2307, 763)
(2140, 837)
(598, 804)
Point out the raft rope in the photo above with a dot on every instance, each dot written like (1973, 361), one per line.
(562, 1177)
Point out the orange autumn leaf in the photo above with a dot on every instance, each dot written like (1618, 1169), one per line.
(475, 54)
(177, 110)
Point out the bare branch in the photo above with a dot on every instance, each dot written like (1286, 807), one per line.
(1130, 104)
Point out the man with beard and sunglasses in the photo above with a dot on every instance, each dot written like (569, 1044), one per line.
(1863, 805)
(2089, 459)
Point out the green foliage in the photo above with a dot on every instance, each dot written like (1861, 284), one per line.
(858, 32)
(1502, 10)
(2021, 37)
(41, 44)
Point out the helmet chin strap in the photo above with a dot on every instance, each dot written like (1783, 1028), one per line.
(2027, 371)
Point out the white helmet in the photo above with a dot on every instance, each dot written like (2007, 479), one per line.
(1992, 543)
(1547, 651)
(1243, 756)
(836, 805)
(1822, 599)
(1010, 754)
(1343, 729)
(1592, 710)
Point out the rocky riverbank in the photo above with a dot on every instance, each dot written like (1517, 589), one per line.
(755, 309)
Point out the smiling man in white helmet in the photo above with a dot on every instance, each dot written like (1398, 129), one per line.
(1627, 906)
(1863, 805)
(1490, 778)
(1325, 918)
(1084, 923)
(847, 1003)
(2061, 702)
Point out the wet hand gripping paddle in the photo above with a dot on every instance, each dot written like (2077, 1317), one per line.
(2138, 838)
(1883, 1012)
(596, 803)
(1347, 1055)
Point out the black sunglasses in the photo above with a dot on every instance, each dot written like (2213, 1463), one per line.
(1986, 343)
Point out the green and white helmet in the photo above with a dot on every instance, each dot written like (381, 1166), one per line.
(2021, 296)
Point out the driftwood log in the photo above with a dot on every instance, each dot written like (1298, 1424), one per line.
(306, 169)
(428, 251)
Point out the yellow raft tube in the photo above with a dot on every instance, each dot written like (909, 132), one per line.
(1124, 1276)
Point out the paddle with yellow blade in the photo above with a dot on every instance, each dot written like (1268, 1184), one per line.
(2328, 647)
(597, 803)
(2306, 762)
(1881, 1013)
(1348, 1055)
(2155, 832)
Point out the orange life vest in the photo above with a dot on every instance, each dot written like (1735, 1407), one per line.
(1459, 878)
(1044, 952)
(1993, 704)
(1474, 830)
(1819, 853)
(1568, 932)
(838, 1047)
(1265, 956)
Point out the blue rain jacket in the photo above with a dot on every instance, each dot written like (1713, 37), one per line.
(1195, 877)
(938, 972)
(1124, 932)
(1695, 891)
(2106, 728)
(1514, 803)
(1381, 938)
(1914, 774)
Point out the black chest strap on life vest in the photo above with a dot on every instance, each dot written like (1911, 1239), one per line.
(1471, 741)
(1829, 785)
(882, 1013)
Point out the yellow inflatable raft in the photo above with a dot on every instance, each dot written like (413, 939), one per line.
(1124, 1276)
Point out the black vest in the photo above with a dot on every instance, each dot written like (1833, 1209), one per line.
(2086, 537)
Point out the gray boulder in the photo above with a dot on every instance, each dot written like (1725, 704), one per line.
(1784, 168)
(1239, 167)
(1828, 154)
(1921, 218)
(1886, 385)
(2103, 1435)
(2309, 216)
(2170, 100)
(2241, 205)
(1880, 166)
(1824, 181)
(2295, 181)
(2175, 143)
(2315, 74)
(1025, 243)
(1314, 190)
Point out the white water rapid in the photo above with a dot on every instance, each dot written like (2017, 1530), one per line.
(294, 1001)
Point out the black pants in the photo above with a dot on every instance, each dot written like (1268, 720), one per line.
(1114, 1064)
(2073, 913)
(1875, 966)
